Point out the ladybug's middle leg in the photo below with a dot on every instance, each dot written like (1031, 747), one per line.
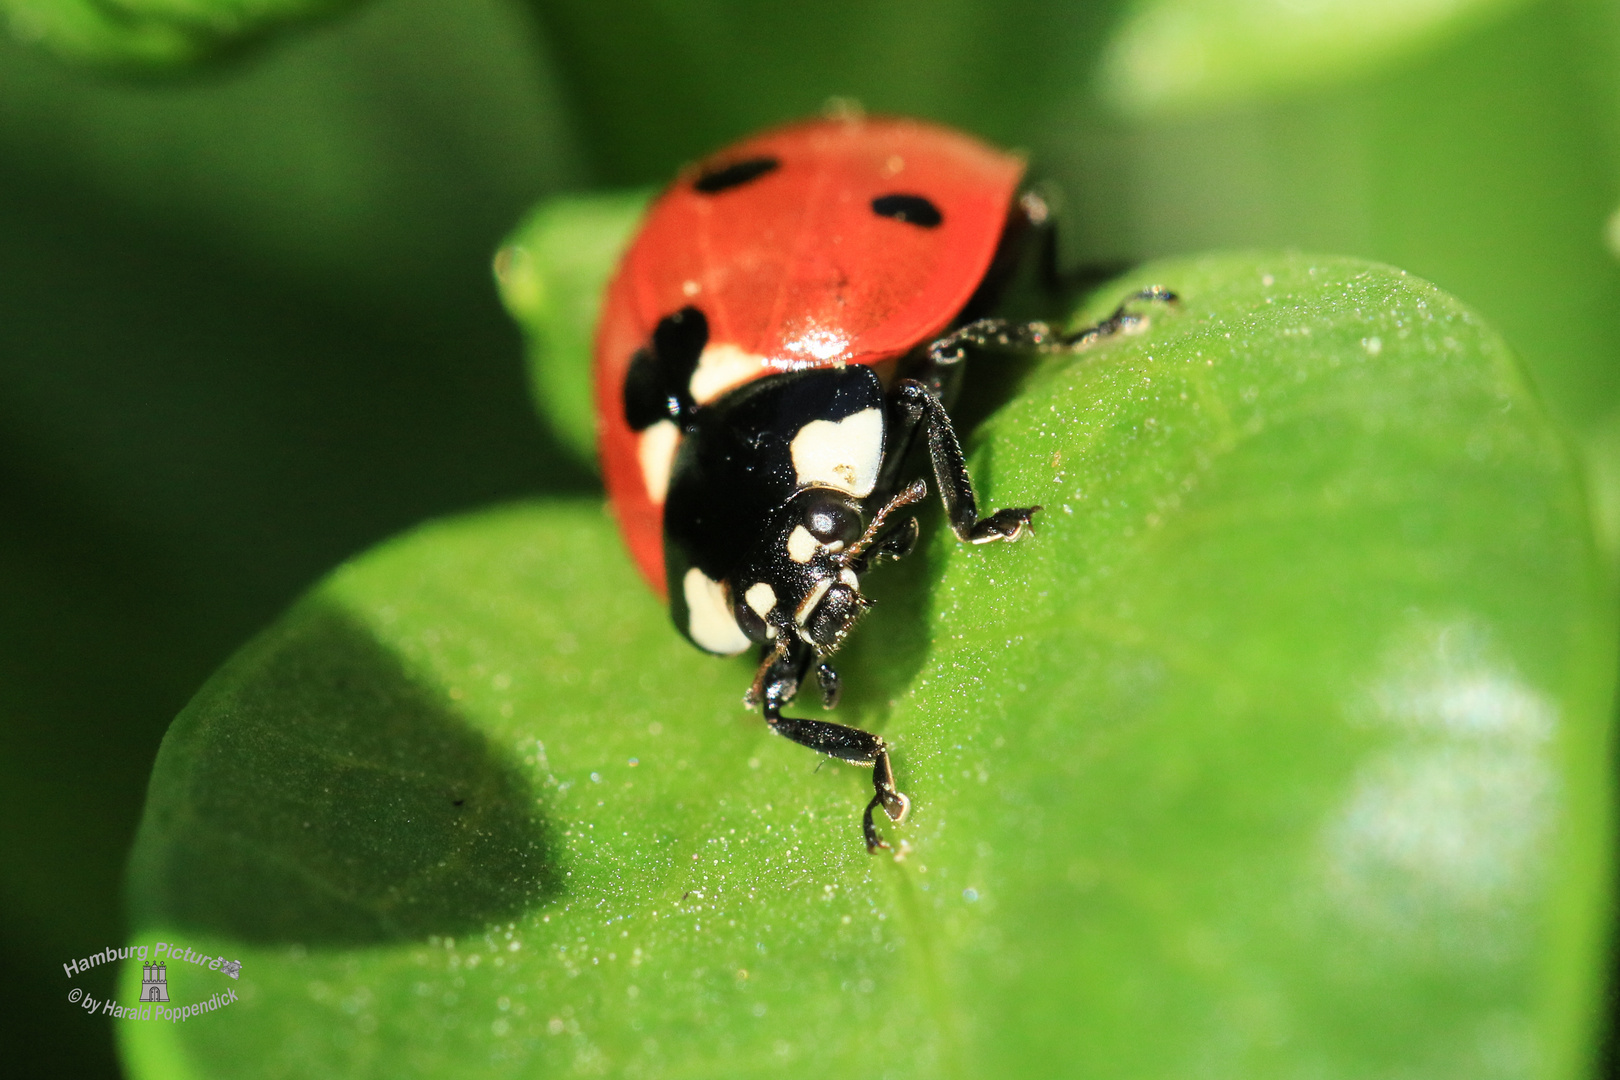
(1121, 321)
(919, 405)
(1009, 336)
(918, 401)
(782, 671)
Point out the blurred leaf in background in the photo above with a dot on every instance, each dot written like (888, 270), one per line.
(1190, 55)
(551, 275)
(1484, 162)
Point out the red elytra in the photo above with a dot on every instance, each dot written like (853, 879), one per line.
(794, 270)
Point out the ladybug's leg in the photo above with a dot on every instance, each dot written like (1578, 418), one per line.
(1043, 237)
(887, 535)
(1121, 321)
(784, 668)
(830, 684)
(950, 471)
(847, 744)
(780, 667)
(917, 401)
(1003, 334)
(896, 542)
(1011, 336)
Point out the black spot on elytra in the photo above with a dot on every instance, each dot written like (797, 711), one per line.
(678, 340)
(645, 402)
(911, 209)
(657, 386)
(725, 177)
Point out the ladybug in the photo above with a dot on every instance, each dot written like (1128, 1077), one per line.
(791, 316)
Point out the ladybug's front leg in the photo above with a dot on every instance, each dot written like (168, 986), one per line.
(919, 405)
(831, 685)
(835, 740)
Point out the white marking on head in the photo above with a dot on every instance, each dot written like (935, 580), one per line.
(843, 454)
(817, 591)
(847, 576)
(761, 597)
(721, 367)
(690, 288)
(709, 617)
(801, 546)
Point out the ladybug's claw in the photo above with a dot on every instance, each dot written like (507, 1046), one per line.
(1121, 321)
(847, 744)
(893, 801)
(873, 840)
(1009, 525)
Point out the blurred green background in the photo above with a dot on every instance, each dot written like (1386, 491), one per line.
(247, 326)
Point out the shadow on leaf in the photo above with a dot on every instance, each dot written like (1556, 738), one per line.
(315, 792)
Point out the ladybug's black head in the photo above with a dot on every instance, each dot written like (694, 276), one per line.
(799, 584)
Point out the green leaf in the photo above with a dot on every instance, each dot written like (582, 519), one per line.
(552, 273)
(1169, 56)
(1279, 749)
(153, 36)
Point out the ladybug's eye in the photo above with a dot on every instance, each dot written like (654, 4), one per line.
(912, 209)
(830, 522)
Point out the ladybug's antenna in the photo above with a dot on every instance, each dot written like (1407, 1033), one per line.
(915, 493)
